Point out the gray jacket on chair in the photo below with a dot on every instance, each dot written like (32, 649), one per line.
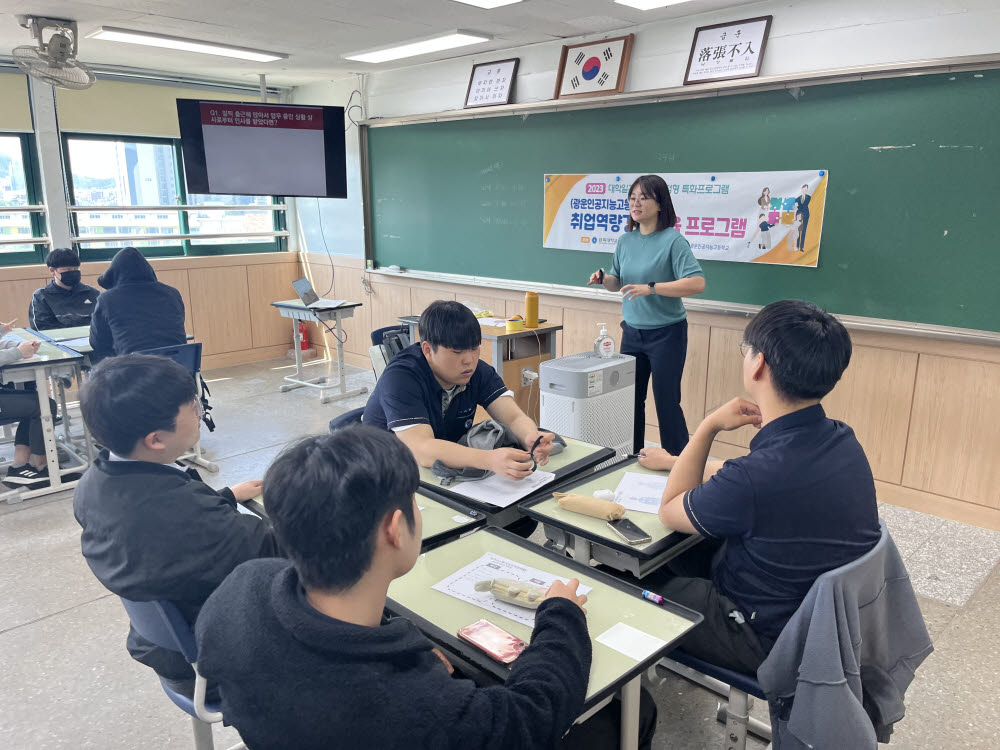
(837, 674)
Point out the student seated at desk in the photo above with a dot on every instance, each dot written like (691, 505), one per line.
(304, 660)
(153, 530)
(137, 312)
(65, 301)
(30, 466)
(429, 392)
(801, 503)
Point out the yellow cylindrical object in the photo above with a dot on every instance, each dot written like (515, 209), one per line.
(515, 324)
(531, 309)
(590, 506)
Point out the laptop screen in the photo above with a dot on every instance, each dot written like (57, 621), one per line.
(305, 291)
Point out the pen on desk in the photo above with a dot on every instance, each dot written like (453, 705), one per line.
(654, 598)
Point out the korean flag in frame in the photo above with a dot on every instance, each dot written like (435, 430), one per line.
(594, 68)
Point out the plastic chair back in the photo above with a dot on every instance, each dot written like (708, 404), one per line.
(162, 624)
(347, 419)
(187, 356)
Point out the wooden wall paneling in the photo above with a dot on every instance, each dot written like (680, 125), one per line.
(178, 279)
(267, 284)
(388, 302)
(15, 299)
(347, 285)
(725, 379)
(952, 445)
(874, 397)
(220, 302)
(422, 296)
(580, 326)
(527, 397)
(693, 383)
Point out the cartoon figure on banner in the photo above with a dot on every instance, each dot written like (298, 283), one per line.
(764, 202)
(793, 233)
(764, 230)
(802, 209)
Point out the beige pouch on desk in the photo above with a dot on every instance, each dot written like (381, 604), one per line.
(590, 506)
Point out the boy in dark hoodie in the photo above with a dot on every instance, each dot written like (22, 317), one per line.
(153, 530)
(137, 312)
(65, 302)
(303, 659)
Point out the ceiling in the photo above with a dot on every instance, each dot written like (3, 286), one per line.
(315, 33)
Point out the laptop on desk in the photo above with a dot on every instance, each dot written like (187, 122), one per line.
(310, 299)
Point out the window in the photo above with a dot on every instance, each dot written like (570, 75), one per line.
(119, 173)
(21, 213)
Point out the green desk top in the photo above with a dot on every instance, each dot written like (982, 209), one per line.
(47, 352)
(441, 519)
(576, 456)
(67, 334)
(547, 510)
(611, 601)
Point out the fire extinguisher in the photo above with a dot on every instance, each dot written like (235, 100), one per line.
(303, 336)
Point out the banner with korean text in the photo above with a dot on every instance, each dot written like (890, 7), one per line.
(747, 217)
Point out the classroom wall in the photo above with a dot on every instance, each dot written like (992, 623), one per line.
(227, 299)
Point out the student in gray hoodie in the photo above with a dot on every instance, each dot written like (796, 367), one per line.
(29, 467)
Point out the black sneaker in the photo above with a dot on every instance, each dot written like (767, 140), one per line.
(26, 475)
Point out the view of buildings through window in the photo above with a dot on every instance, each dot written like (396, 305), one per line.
(119, 173)
(13, 192)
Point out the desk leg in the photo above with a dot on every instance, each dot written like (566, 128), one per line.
(297, 380)
(581, 550)
(48, 428)
(63, 410)
(629, 737)
(341, 372)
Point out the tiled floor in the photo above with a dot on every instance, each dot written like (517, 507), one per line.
(67, 681)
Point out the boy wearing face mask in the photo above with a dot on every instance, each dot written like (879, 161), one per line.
(64, 302)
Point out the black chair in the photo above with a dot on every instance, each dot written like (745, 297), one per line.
(347, 419)
(378, 335)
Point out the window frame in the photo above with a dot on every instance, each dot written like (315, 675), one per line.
(184, 247)
(38, 219)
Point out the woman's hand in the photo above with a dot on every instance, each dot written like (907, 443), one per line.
(595, 278)
(28, 349)
(636, 290)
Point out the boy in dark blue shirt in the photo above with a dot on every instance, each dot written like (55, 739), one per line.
(429, 392)
(800, 504)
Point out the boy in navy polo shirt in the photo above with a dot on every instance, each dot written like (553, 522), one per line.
(429, 392)
(801, 503)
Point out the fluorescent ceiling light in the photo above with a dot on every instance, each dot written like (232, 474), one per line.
(449, 40)
(111, 34)
(650, 4)
(488, 4)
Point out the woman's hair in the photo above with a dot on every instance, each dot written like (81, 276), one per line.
(653, 186)
(761, 201)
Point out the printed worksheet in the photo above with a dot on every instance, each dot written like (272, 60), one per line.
(641, 492)
(500, 491)
(461, 585)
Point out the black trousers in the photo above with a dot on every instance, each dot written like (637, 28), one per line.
(725, 637)
(602, 731)
(802, 232)
(23, 406)
(659, 352)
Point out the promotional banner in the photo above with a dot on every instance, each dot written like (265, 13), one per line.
(748, 217)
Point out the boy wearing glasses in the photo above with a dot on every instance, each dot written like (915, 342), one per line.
(152, 530)
(800, 504)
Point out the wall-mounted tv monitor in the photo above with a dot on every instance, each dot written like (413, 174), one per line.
(233, 148)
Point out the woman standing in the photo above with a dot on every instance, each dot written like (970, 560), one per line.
(653, 268)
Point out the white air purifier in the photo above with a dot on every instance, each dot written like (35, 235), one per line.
(590, 398)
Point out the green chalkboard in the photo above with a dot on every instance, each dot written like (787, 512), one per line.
(910, 233)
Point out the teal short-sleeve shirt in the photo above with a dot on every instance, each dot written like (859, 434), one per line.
(658, 256)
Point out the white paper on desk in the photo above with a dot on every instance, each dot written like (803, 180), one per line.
(629, 641)
(462, 585)
(74, 343)
(641, 492)
(493, 322)
(501, 491)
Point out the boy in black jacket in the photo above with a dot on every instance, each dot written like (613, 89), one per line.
(151, 529)
(297, 647)
(65, 301)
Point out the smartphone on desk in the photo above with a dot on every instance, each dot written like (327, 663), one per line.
(629, 532)
(494, 641)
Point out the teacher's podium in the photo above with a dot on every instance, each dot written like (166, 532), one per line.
(510, 354)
